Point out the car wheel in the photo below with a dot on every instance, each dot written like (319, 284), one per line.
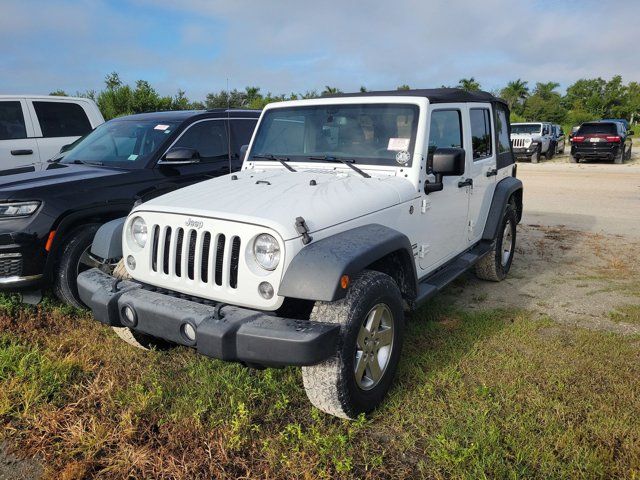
(573, 159)
(356, 379)
(619, 158)
(74, 259)
(535, 158)
(550, 152)
(496, 264)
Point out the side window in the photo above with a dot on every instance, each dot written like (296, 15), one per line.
(12, 125)
(481, 133)
(445, 130)
(241, 132)
(60, 119)
(502, 128)
(209, 138)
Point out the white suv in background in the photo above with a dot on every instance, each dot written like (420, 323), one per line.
(33, 128)
(531, 140)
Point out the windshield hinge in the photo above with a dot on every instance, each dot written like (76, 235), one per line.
(302, 229)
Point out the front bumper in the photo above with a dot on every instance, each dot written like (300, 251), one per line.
(525, 152)
(224, 332)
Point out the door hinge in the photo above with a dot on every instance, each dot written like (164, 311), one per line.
(426, 205)
(423, 250)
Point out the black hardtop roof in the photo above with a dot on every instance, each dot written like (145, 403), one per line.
(435, 95)
(181, 115)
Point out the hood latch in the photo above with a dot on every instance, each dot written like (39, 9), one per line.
(302, 229)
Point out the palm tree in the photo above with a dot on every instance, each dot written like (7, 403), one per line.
(469, 84)
(546, 90)
(515, 92)
(404, 87)
(330, 90)
(363, 89)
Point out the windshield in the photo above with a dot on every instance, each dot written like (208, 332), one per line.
(121, 143)
(526, 128)
(361, 133)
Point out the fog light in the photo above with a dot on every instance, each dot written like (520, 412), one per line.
(265, 289)
(189, 332)
(129, 317)
(131, 262)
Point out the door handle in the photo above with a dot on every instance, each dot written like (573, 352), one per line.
(22, 152)
(492, 172)
(467, 182)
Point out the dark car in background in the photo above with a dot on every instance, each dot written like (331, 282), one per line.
(48, 218)
(604, 140)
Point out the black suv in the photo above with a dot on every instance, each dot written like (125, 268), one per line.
(605, 140)
(48, 218)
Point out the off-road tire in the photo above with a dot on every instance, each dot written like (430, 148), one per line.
(550, 152)
(65, 273)
(629, 152)
(535, 158)
(491, 266)
(331, 385)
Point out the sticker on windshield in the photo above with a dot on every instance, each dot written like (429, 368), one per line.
(161, 127)
(403, 157)
(398, 144)
(132, 157)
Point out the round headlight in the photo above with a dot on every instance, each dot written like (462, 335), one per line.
(267, 251)
(139, 231)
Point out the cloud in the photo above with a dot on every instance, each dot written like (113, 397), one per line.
(286, 46)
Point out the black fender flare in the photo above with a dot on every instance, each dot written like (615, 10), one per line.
(504, 190)
(107, 243)
(315, 272)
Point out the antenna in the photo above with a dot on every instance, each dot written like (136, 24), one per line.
(228, 125)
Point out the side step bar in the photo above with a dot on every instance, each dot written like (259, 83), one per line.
(434, 283)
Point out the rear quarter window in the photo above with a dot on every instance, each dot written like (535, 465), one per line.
(61, 119)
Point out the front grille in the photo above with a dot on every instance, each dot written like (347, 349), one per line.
(10, 267)
(519, 142)
(207, 257)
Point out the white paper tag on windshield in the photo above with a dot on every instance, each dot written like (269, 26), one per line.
(132, 157)
(161, 127)
(398, 144)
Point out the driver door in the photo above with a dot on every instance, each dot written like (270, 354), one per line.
(443, 231)
(210, 137)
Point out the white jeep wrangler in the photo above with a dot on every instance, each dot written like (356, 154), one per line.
(349, 211)
(532, 140)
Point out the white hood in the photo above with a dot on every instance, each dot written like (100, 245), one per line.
(274, 198)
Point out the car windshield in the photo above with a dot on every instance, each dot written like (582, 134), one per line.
(526, 128)
(596, 128)
(121, 143)
(374, 134)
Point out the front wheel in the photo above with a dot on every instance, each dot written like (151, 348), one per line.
(74, 259)
(356, 379)
(496, 264)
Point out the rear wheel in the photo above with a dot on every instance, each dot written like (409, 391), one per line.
(356, 379)
(619, 158)
(550, 151)
(496, 264)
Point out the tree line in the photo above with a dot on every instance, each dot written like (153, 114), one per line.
(586, 99)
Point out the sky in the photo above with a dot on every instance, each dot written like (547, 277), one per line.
(294, 46)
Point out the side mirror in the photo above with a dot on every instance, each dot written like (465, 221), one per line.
(630, 132)
(243, 152)
(444, 162)
(181, 156)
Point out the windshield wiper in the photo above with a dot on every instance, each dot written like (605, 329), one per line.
(282, 160)
(348, 162)
(83, 162)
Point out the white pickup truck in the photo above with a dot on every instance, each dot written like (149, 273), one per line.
(33, 128)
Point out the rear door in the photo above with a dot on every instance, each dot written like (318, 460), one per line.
(57, 123)
(482, 169)
(18, 147)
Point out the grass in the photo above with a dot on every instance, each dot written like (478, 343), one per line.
(626, 314)
(489, 394)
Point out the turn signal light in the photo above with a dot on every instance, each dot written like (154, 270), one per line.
(344, 281)
(47, 246)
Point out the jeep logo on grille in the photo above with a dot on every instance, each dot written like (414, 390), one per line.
(194, 223)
